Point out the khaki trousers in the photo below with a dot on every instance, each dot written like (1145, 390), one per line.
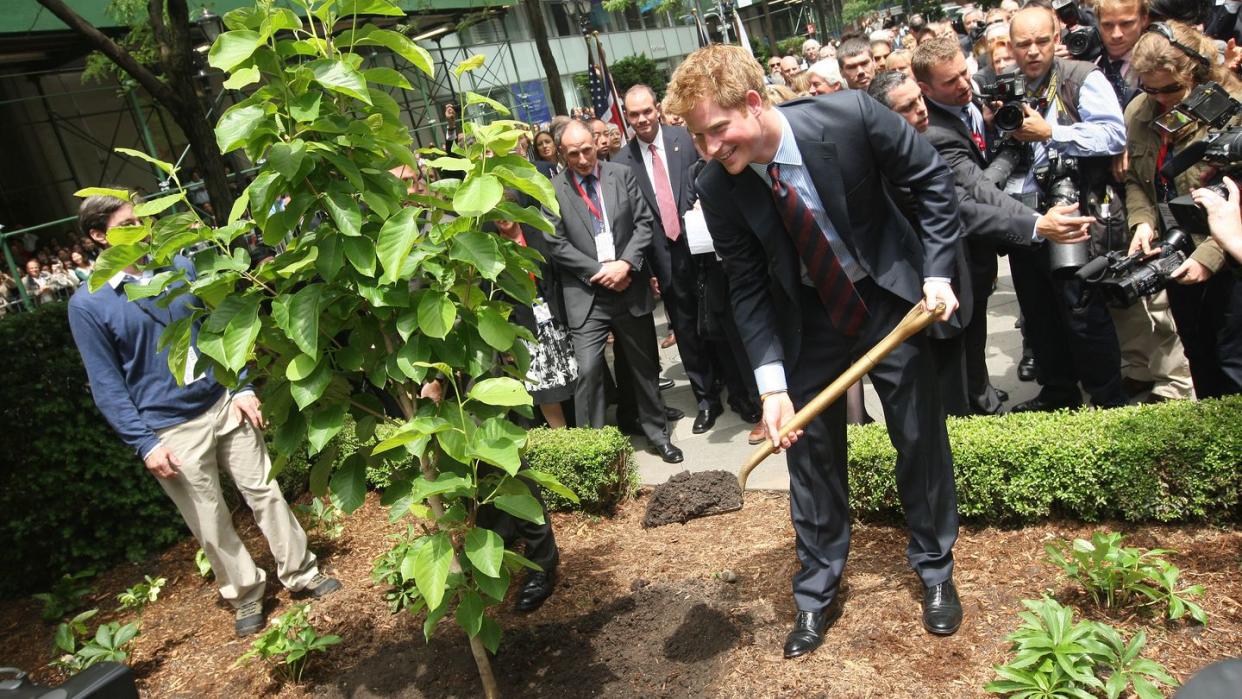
(1150, 348)
(205, 445)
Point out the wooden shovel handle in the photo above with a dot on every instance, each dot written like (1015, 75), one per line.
(917, 319)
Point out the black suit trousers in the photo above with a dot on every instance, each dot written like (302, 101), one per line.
(1072, 336)
(1209, 323)
(540, 542)
(819, 491)
(679, 290)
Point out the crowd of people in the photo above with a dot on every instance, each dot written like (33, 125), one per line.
(53, 270)
(788, 218)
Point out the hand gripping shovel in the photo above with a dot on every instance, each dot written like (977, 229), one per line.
(691, 495)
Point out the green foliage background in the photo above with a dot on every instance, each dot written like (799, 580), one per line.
(72, 495)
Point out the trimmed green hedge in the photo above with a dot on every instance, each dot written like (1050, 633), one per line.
(1173, 462)
(598, 465)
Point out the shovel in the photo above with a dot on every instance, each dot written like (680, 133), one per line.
(691, 495)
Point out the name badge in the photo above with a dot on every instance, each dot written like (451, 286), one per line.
(605, 246)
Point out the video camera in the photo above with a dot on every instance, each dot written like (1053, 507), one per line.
(1211, 105)
(1124, 279)
(1081, 39)
(1009, 89)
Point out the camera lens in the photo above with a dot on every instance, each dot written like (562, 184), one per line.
(1009, 117)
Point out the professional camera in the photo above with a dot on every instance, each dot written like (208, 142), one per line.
(1009, 89)
(1058, 185)
(1083, 43)
(1124, 279)
(1208, 104)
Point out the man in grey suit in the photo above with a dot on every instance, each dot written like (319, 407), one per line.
(600, 248)
(821, 266)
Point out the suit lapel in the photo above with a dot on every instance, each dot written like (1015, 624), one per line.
(754, 200)
(954, 122)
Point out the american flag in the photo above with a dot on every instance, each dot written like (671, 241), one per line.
(604, 95)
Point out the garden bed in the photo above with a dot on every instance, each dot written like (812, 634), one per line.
(685, 610)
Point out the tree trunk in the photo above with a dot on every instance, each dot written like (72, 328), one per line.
(556, 93)
(178, 95)
(767, 27)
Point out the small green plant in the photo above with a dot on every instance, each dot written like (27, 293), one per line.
(288, 642)
(1058, 658)
(139, 596)
(323, 515)
(203, 565)
(66, 596)
(402, 592)
(78, 650)
(1116, 576)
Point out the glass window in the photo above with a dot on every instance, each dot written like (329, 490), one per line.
(633, 18)
(558, 20)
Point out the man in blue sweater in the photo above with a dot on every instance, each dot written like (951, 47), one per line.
(186, 434)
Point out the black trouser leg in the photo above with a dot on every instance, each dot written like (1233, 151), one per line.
(541, 546)
(1041, 327)
(1093, 343)
(635, 336)
(682, 303)
(1209, 322)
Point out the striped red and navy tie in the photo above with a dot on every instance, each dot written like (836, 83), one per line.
(845, 307)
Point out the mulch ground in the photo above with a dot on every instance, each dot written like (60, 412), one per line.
(699, 609)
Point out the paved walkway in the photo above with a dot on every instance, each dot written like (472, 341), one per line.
(724, 446)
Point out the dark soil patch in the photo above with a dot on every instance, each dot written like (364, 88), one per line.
(687, 495)
(691, 611)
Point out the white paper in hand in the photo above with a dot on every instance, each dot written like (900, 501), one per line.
(697, 237)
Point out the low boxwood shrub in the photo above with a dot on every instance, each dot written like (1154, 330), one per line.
(598, 465)
(1173, 462)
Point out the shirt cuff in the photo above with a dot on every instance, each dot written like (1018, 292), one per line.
(770, 378)
(942, 280)
(1035, 236)
(145, 452)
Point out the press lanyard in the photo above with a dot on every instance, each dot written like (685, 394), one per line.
(590, 205)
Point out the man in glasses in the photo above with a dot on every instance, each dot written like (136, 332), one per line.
(774, 76)
(1078, 126)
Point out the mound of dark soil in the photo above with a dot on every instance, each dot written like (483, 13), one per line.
(688, 495)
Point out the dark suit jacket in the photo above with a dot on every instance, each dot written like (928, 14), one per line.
(573, 247)
(1000, 217)
(850, 145)
(680, 153)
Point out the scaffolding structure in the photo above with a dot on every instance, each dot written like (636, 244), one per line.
(133, 120)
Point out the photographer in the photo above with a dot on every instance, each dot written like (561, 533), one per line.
(1171, 60)
(1073, 125)
(955, 126)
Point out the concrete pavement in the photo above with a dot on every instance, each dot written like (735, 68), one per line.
(724, 447)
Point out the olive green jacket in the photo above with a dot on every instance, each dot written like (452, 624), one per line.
(1143, 144)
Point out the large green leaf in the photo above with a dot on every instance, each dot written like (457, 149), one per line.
(349, 8)
(229, 334)
(151, 207)
(549, 482)
(349, 483)
(128, 235)
(396, 238)
(387, 76)
(538, 187)
(341, 77)
(122, 194)
(431, 568)
(497, 441)
(324, 424)
(485, 550)
(521, 505)
(470, 613)
(528, 215)
(478, 195)
(237, 124)
(309, 389)
(287, 157)
(479, 249)
(401, 45)
(231, 49)
(114, 259)
(436, 314)
(475, 61)
(360, 252)
(299, 318)
(476, 98)
(345, 213)
(301, 367)
(495, 329)
(503, 391)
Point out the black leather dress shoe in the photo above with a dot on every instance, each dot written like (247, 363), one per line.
(672, 414)
(1040, 404)
(942, 610)
(1026, 369)
(808, 631)
(666, 384)
(705, 420)
(535, 591)
(670, 453)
